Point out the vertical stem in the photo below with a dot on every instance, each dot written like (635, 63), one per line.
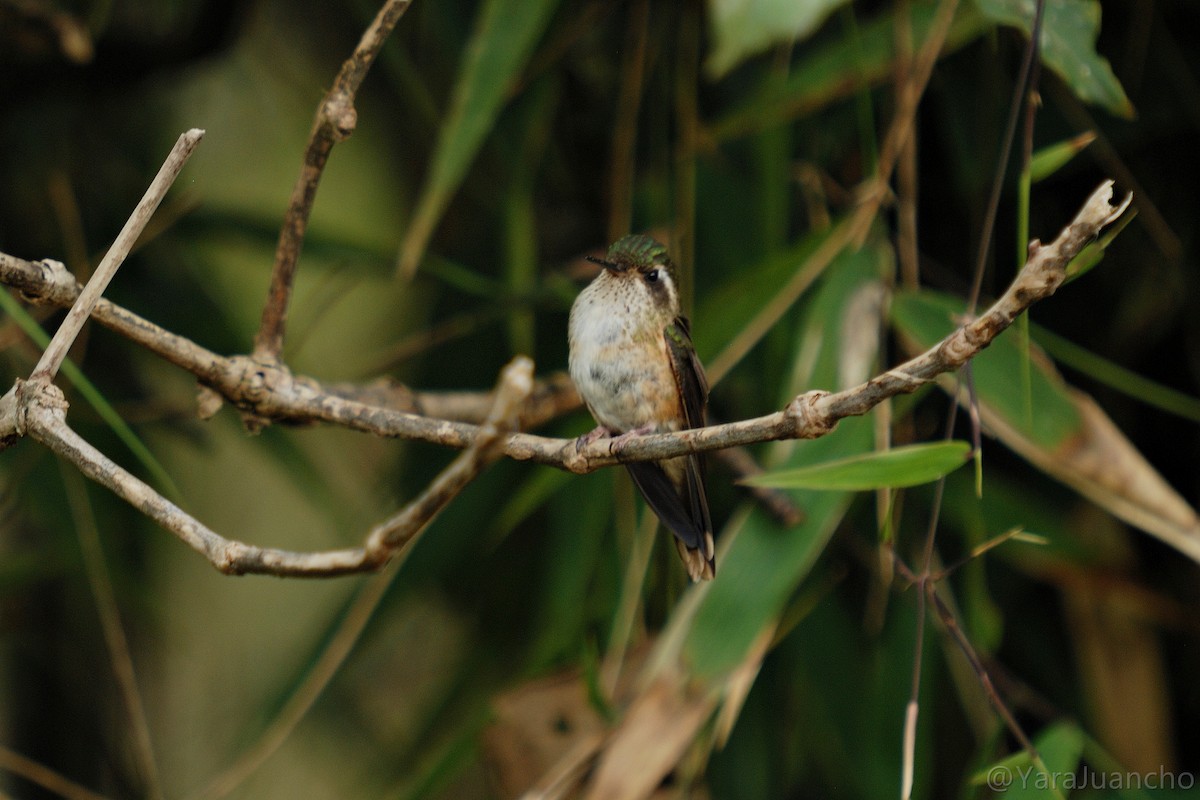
(335, 121)
(906, 166)
(624, 142)
(687, 129)
(110, 623)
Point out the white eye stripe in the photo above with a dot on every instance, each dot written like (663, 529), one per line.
(668, 286)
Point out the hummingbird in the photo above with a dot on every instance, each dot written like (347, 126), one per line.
(633, 362)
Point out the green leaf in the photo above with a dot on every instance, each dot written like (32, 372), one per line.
(841, 69)
(1052, 158)
(1069, 30)
(897, 468)
(95, 399)
(505, 33)
(1093, 253)
(760, 571)
(1114, 375)
(1060, 746)
(742, 28)
(926, 317)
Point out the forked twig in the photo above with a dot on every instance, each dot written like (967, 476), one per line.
(272, 392)
(41, 414)
(335, 122)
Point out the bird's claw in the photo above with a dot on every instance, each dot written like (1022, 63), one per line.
(593, 435)
(617, 443)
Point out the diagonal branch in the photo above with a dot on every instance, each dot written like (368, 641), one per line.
(41, 414)
(48, 282)
(335, 121)
(264, 389)
(268, 390)
(64, 337)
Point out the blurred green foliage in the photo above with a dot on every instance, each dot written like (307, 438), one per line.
(484, 165)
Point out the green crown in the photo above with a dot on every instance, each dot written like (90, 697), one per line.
(638, 250)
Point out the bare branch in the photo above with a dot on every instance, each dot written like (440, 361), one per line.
(816, 413)
(50, 283)
(515, 385)
(54, 354)
(335, 121)
(40, 412)
(266, 390)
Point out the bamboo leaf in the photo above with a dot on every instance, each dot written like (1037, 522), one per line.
(1052, 158)
(742, 28)
(840, 69)
(95, 399)
(504, 36)
(1069, 31)
(760, 571)
(1060, 746)
(897, 468)
(1114, 375)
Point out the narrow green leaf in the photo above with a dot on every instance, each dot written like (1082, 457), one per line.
(1069, 31)
(1052, 158)
(925, 317)
(1024, 190)
(1060, 746)
(520, 214)
(840, 69)
(1093, 253)
(760, 571)
(897, 468)
(505, 33)
(742, 28)
(95, 399)
(1114, 375)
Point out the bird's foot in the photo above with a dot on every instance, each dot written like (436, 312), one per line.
(599, 432)
(617, 443)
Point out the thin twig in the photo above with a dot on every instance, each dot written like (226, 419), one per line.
(900, 131)
(625, 123)
(687, 137)
(40, 411)
(64, 337)
(851, 231)
(1020, 87)
(906, 167)
(268, 389)
(776, 502)
(951, 624)
(335, 121)
(926, 580)
(272, 392)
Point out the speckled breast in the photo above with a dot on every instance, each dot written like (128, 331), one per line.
(622, 370)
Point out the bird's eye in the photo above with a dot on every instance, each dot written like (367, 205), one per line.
(652, 276)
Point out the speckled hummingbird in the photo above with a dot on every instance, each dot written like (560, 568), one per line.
(632, 359)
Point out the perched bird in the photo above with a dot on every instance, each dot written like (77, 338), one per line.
(632, 360)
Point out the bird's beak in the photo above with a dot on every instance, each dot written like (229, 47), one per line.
(608, 265)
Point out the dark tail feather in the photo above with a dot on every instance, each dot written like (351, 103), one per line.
(686, 516)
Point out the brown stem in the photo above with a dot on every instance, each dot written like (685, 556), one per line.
(335, 120)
